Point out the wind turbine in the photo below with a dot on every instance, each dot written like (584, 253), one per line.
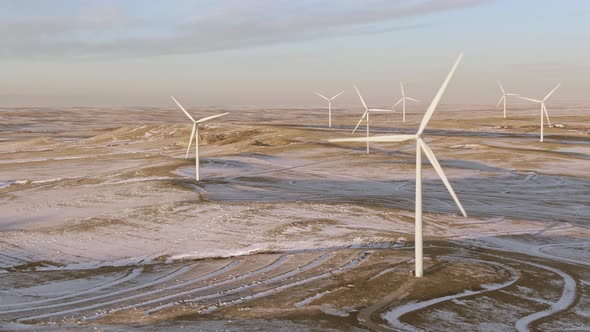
(543, 108)
(403, 101)
(329, 106)
(503, 98)
(420, 146)
(195, 133)
(366, 114)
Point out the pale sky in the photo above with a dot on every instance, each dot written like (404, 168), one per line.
(277, 52)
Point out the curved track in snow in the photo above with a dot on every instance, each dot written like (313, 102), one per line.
(208, 287)
(393, 316)
(565, 301)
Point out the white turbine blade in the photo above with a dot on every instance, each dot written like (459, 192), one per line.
(182, 108)
(211, 117)
(412, 99)
(402, 86)
(533, 100)
(336, 95)
(399, 101)
(438, 96)
(381, 110)
(512, 94)
(546, 114)
(190, 141)
(322, 96)
(501, 88)
(361, 120)
(361, 97)
(441, 174)
(499, 101)
(388, 138)
(550, 93)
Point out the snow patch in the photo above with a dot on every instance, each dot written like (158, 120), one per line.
(310, 299)
(46, 181)
(468, 146)
(8, 183)
(329, 310)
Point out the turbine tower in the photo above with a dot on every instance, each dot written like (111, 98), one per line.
(403, 101)
(195, 134)
(329, 106)
(420, 146)
(543, 108)
(366, 114)
(503, 98)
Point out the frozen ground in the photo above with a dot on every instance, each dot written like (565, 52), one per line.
(102, 224)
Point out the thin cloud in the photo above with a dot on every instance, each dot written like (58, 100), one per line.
(111, 28)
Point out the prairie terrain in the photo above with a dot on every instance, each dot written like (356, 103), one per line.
(103, 225)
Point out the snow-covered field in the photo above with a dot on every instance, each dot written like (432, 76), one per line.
(102, 224)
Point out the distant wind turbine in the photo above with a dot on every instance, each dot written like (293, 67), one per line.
(543, 108)
(329, 106)
(420, 146)
(403, 101)
(503, 98)
(195, 134)
(366, 114)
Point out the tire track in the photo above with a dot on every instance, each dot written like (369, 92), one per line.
(132, 275)
(160, 280)
(224, 269)
(315, 263)
(348, 266)
(10, 261)
(568, 296)
(264, 269)
(541, 250)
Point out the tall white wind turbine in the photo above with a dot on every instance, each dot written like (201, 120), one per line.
(543, 108)
(329, 106)
(503, 98)
(420, 146)
(403, 101)
(366, 114)
(195, 134)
